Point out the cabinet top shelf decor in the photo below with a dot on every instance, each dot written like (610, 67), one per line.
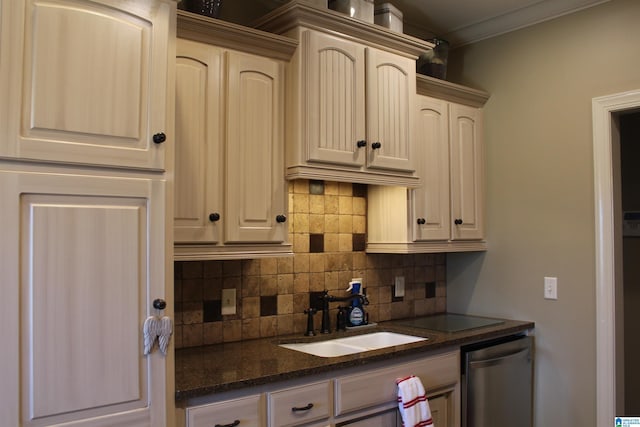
(298, 13)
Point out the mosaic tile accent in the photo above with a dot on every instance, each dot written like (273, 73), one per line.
(327, 227)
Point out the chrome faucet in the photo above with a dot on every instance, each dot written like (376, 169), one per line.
(326, 299)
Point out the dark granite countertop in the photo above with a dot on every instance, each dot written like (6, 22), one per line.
(218, 368)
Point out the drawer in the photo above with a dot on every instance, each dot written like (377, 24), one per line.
(378, 386)
(297, 405)
(246, 411)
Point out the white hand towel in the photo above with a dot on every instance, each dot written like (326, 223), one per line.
(412, 402)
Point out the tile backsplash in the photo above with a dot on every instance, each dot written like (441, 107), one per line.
(327, 227)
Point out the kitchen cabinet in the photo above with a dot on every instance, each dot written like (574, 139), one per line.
(446, 213)
(366, 396)
(343, 128)
(99, 100)
(439, 375)
(86, 215)
(245, 411)
(439, 409)
(351, 93)
(299, 405)
(231, 193)
(82, 256)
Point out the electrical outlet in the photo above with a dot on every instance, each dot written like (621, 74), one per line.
(551, 288)
(399, 286)
(228, 301)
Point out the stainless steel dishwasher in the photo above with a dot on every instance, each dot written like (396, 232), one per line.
(497, 383)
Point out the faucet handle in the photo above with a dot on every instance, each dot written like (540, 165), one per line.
(341, 324)
(310, 327)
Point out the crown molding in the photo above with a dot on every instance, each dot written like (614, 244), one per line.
(233, 36)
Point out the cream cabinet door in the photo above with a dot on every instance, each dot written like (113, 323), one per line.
(430, 203)
(256, 191)
(467, 172)
(334, 80)
(83, 257)
(89, 82)
(391, 89)
(198, 178)
(440, 407)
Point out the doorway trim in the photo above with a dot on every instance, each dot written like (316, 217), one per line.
(603, 109)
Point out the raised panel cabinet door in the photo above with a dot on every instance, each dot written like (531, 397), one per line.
(89, 258)
(256, 190)
(334, 79)
(90, 82)
(439, 407)
(430, 202)
(391, 88)
(467, 172)
(198, 177)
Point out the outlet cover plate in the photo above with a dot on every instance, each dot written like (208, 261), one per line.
(228, 302)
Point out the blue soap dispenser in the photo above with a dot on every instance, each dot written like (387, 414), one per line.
(356, 316)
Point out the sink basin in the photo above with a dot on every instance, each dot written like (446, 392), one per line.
(355, 344)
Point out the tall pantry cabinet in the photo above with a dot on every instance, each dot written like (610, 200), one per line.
(86, 248)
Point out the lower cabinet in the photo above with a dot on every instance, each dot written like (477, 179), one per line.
(243, 412)
(439, 409)
(299, 405)
(366, 398)
(82, 258)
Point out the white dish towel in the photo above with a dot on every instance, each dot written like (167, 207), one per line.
(413, 403)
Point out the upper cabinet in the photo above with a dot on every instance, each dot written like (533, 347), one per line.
(230, 192)
(446, 213)
(100, 100)
(350, 98)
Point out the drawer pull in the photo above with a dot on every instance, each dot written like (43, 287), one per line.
(304, 408)
(233, 424)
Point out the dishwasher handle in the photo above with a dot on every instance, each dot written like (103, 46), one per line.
(497, 360)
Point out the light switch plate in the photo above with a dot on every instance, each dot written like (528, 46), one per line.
(399, 287)
(551, 288)
(228, 301)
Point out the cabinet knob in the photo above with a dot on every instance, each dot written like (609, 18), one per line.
(281, 218)
(159, 304)
(422, 221)
(361, 143)
(159, 138)
(213, 217)
(457, 221)
(233, 424)
(376, 145)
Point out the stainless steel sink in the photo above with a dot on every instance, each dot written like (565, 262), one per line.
(355, 344)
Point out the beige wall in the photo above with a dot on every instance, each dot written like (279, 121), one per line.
(540, 189)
